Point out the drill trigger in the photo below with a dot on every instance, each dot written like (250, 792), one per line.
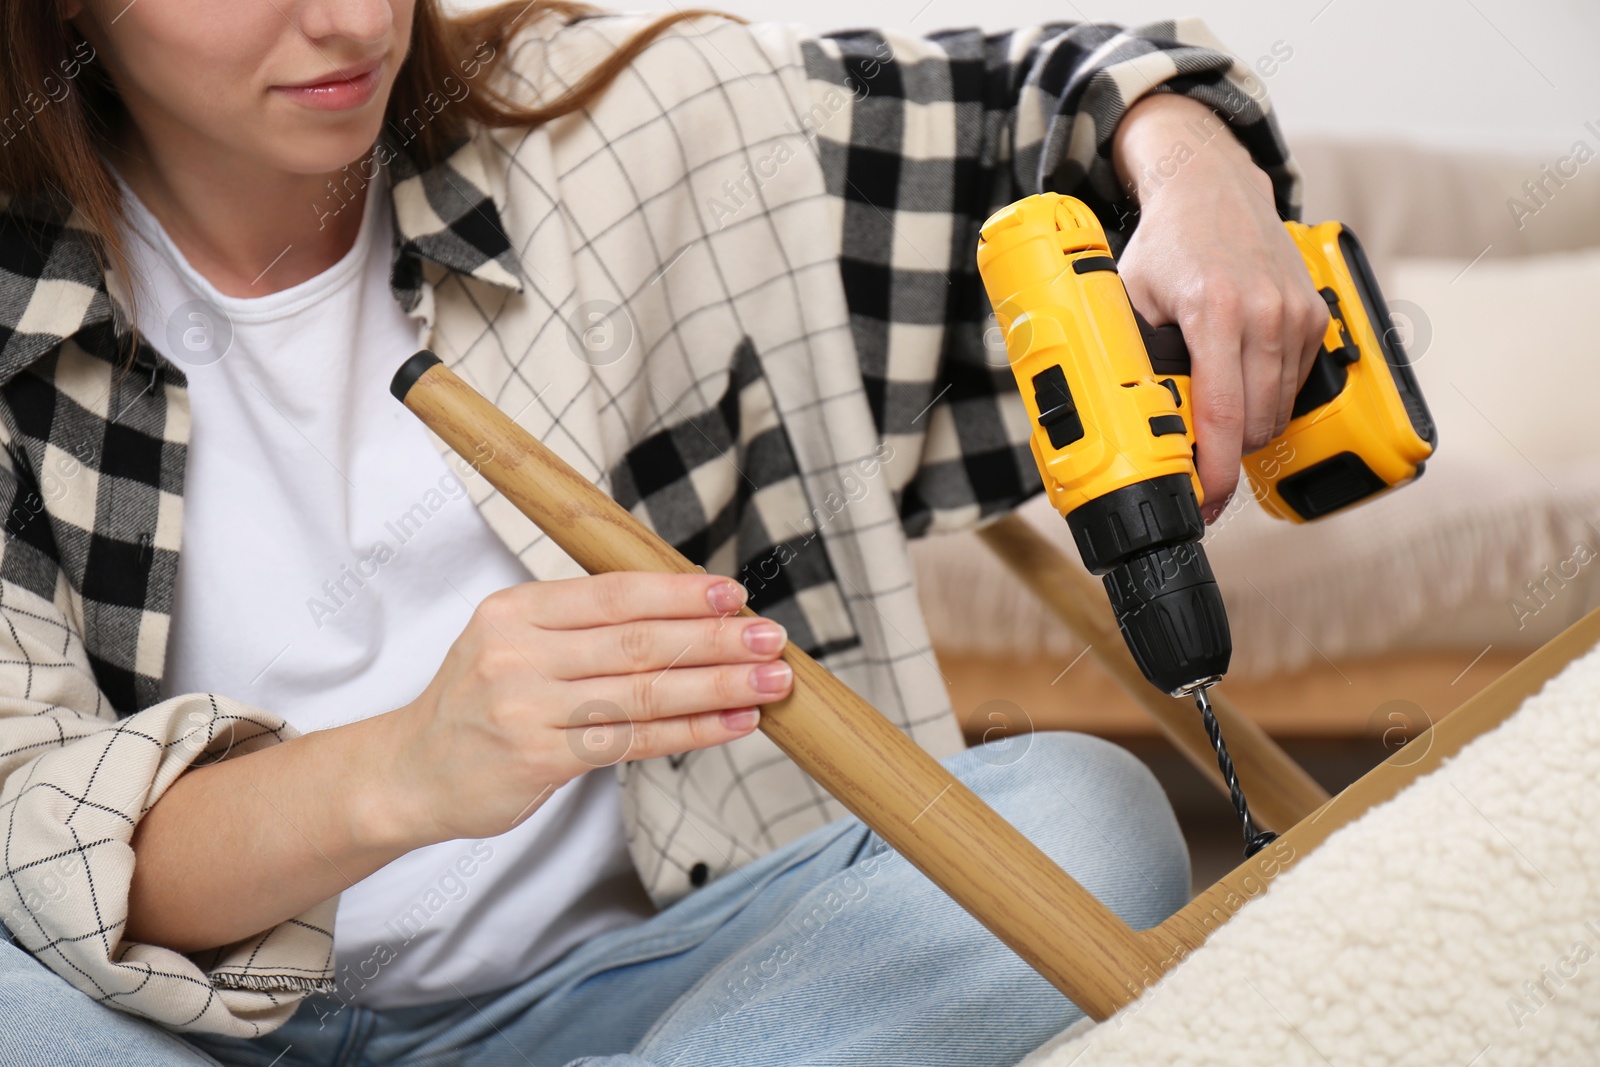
(1168, 352)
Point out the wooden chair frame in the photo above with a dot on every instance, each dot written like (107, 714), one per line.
(909, 798)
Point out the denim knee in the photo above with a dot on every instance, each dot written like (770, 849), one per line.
(1092, 806)
(48, 1023)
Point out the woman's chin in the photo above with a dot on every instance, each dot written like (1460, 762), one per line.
(317, 148)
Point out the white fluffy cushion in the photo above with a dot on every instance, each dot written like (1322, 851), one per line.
(1458, 924)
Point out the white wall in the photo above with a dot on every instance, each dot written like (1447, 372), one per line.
(1514, 75)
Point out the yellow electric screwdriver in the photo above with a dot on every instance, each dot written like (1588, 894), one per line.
(1108, 396)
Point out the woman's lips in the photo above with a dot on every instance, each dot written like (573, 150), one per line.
(336, 94)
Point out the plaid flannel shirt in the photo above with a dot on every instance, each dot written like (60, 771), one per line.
(783, 226)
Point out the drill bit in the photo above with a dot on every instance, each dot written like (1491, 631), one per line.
(1254, 840)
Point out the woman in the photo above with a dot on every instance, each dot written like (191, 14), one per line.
(727, 271)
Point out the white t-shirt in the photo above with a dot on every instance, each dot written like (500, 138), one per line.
(330, 557)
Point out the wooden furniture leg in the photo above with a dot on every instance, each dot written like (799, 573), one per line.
(1281, 792)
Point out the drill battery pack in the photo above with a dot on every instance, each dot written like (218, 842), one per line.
(1359, 426)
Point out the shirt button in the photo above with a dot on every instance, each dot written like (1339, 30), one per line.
(698, 874)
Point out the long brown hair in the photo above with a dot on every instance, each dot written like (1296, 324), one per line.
(57, 154)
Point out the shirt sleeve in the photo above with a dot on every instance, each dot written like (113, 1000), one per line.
(74, 781)
(920, 140)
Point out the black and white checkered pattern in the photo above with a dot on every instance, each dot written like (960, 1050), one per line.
(782, 226)
(784, 568)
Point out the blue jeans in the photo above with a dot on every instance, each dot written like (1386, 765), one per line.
(831, 950)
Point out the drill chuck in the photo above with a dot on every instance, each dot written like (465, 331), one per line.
(1144, 541)
(1170, 612)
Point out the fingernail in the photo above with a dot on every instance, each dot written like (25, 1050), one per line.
(771, 677)
(764, 637)
(726, 596)
(742, 719)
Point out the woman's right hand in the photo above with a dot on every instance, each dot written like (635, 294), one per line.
(552, 679)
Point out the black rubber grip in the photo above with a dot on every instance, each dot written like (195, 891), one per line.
(1094, 263)
(1161, 425)
(410, 371)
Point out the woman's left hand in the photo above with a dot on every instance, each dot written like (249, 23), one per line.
(1210, 254)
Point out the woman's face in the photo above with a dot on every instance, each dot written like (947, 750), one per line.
(296, 85)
